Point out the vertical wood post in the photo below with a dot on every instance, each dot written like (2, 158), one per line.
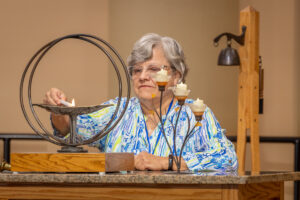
(248, 92)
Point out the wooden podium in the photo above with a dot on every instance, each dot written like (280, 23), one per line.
(72, 162)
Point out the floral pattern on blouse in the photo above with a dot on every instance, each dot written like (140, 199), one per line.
(207, 148)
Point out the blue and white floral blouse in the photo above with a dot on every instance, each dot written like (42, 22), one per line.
(207, 149)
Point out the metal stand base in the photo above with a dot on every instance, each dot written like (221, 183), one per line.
(70, 149)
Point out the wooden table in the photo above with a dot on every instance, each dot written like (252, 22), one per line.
(7, 137)
(143, 185)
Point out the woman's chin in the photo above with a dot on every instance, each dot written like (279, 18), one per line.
(146, 93)
(146, 97)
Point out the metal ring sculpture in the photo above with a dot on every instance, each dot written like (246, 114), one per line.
(40, 54)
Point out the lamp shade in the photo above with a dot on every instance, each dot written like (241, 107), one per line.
(229, 57)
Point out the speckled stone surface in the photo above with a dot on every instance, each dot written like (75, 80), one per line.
(144, 177)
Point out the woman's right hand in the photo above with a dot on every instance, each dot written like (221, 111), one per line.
(53, 97)
(60, 122)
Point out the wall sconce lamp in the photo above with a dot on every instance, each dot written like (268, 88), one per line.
(229, 56)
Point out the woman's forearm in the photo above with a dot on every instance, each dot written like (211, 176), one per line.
(61, 123)
(146, 161)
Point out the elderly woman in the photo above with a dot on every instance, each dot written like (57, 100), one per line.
(139, 131)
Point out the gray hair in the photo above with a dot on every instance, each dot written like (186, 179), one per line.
(142, 51)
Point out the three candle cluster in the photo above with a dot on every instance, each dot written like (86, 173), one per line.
(181, 92)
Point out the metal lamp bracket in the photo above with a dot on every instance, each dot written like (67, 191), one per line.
(239, 39)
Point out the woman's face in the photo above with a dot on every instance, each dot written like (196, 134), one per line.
(142, 73)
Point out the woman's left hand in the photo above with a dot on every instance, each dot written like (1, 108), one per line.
(147, 161)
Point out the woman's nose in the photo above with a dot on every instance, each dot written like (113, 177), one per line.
(144, 75)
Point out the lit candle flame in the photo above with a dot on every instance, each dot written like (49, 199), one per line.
(181, 90)
(73, 102)
(161, 76)
(198, 106)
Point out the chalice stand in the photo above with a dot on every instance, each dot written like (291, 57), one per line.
(72, 157)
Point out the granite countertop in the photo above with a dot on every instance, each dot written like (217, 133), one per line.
(144, 177)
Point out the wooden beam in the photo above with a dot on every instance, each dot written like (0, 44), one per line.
(248, 94)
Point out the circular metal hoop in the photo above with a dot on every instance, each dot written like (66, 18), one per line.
(40, 54)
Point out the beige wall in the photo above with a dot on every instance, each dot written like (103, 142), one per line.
(277, 48)
(74, 66)
(297, 60)
(277, 45)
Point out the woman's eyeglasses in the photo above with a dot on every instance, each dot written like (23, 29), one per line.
(150, 70)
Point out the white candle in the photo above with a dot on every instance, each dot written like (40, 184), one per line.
(181, 90)
(67, 103)
(161, 76)
(198, 106)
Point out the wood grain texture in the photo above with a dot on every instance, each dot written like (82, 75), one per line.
(111, 193)
(257, 191)
(230, 192)
(71, 162)
(248, 95)
(113, 162)
(260, 191)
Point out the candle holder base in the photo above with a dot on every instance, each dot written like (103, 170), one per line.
(71, 149)
(161, 88)
(181, 100)
(198, 116)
